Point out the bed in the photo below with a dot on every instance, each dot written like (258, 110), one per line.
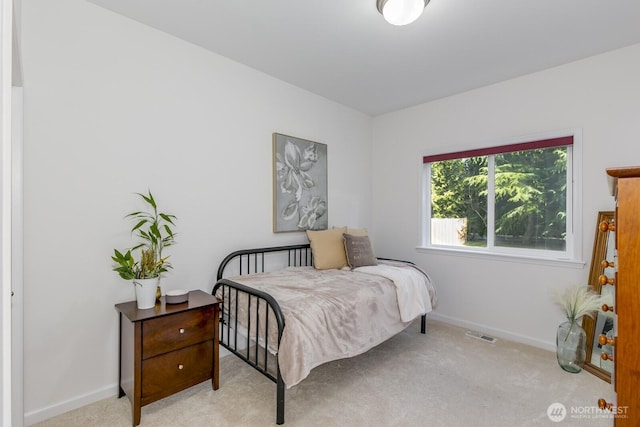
(284, 317)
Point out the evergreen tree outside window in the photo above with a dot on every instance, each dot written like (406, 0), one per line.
(510, 199)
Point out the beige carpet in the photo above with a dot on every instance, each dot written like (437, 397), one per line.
(442, 378)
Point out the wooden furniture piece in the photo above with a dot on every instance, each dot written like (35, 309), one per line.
(625, 185)
(167, 348)
(601, 271)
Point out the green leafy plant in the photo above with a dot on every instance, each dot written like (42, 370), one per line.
(154, 229)
(146, 268)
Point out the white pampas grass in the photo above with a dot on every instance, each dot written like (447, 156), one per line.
(577, 301)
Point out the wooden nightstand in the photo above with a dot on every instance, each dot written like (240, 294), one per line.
(167, 348)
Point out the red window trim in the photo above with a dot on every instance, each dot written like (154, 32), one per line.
(510, 148)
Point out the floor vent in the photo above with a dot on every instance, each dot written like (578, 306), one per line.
(481, 337)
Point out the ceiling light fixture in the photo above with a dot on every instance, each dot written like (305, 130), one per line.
(401, 12)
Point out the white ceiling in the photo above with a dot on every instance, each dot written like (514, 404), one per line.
(343, 50)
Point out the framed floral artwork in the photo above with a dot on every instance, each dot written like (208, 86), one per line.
(299, 184)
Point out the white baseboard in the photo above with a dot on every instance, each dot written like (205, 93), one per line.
(498, 333)
(39, 415)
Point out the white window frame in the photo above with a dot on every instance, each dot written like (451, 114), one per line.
(572, 255)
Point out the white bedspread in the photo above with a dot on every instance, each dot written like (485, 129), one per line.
(333, 314)
(412, 288)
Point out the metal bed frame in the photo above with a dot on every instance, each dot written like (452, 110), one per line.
(253, 261)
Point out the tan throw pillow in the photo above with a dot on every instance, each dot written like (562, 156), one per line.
(359, 251)
(357, 231)
(327, 248)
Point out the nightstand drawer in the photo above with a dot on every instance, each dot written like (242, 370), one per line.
(165, 374)
(167, 349)
(168, 333)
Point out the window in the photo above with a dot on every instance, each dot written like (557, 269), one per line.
(512, 199)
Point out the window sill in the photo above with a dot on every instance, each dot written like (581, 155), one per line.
(525, 259)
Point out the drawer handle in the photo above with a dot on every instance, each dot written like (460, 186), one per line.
(180, 367)
(604, 280)
(181, 330)
(607, 226)
(606, 307)
(606, 263)
(604, 340)
(604, 405)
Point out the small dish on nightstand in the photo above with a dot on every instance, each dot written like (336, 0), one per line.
(177, 296)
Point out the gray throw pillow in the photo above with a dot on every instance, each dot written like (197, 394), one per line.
(359, 251)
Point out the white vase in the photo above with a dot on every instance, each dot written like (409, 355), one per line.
(146, 292)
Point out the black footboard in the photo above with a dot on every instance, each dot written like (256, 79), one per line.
(253, 346)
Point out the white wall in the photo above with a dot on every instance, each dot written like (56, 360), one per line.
(600, 95)
(111, 108)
